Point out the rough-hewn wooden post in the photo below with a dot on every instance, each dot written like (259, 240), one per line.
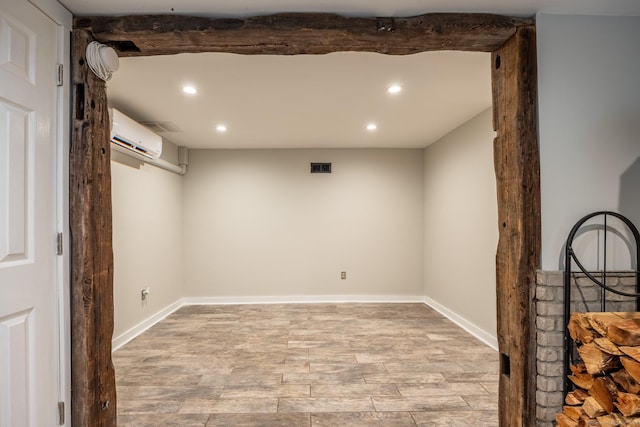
(517, 165)
(92, 374)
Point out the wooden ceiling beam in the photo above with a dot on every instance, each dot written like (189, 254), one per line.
(298, 33)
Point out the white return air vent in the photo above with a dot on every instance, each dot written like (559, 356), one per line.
(130, 136)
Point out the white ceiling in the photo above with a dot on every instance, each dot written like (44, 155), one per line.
(314, 100)
(304, 101)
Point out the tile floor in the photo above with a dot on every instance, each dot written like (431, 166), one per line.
(306, 365)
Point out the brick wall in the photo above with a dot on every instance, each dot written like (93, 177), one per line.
(550, 326)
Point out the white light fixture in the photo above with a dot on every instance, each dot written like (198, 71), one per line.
(189, 89)
(371, 127)
(221, 128)
(394, 88)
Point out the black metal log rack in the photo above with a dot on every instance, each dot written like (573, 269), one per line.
(571, 258)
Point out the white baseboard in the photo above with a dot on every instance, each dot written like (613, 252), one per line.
(130, 334)
(301, 299)
(482, 335)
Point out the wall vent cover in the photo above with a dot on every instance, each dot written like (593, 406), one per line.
(320, 167)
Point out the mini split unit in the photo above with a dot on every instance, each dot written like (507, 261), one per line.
(129, 136)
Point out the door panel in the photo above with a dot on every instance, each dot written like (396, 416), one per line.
(28, 298)
(16, 370)
(17, 48)
(14, 211)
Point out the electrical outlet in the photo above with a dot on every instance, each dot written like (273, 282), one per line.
(144, 293)
(343, 275)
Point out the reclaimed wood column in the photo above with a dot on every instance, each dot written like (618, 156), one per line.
(93, 390)
(517, 165)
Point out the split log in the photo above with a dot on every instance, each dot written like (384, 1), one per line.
(633, 352)
(607, 346)
(592, 408)
(595, 360)
(626, 332)
(584, 380)
(612, 420)
(624, 380)
(581, 378)
(573, 412)
(585, 421)
(576, 397)
(628, 404)
(580, 329)
(605, 392)
(632, 422)
(600, 322)
(632, 366)
(563, 421)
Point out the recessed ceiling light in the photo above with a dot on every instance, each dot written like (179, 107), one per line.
(372, 127)
(221, 128)
(394, 89)
(189, 89)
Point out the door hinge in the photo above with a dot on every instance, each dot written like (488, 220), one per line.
(59, 244)
(61, 413)
(60, 75)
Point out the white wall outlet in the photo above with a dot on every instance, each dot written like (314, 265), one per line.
(343, 275)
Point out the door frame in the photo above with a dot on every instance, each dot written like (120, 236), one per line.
(62, 224)
(64, 20)
(512, 43)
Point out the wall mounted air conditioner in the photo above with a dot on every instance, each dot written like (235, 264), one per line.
(129, 136)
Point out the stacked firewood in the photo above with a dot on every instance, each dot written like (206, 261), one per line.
(607, 377)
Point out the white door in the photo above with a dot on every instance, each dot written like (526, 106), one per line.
(28, 318)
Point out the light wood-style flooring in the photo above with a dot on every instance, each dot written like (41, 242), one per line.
(306, 365)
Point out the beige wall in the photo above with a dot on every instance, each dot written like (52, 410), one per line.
(461, 220)
(255, 225)
(147, 238)
(588, 98)
(258, 224)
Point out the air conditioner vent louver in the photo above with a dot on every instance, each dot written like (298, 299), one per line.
(131, 137)
(161, 127)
